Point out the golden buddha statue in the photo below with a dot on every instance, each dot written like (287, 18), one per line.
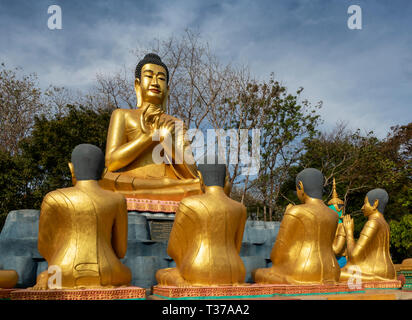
(83, 229)
(339, 244)
(8, 279)
(371, 252)
(131, 142)
(206, 237)
(302, 253)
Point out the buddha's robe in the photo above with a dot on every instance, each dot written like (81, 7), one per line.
(134, 173)
(302, 253)
(205, 242)
(371, 253)
(83, 231)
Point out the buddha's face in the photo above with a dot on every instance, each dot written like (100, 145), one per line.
(368, 209)
(153, 83)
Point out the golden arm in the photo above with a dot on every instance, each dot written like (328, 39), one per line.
(178, 236)
(47, 240)
(119, 152)
(287, 232)
(119, 237)
(240, 230)
(340, 241)
(356, 250)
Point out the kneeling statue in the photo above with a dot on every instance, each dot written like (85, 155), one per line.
(206, 237)
(370, 253)
(303, 251)
(83, 229)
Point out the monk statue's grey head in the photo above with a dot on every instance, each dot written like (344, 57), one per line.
(378, 194)
(88, 162)
(312, 180)
(213, 174)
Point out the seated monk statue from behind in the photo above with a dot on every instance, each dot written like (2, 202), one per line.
(206, 237)
(8, 278)
(83, 229)
(371, 252)
(302, 253)
(134, 135)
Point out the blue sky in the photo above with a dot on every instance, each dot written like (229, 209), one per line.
(363, 76)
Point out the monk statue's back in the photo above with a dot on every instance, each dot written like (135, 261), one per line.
(83, 229)
(303, 253)
(206, 237)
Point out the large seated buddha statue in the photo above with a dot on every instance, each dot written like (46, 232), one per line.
(371, 252)
(206, 237)
(83, 229)
(339, 244)
(303, 251)
(135, 135)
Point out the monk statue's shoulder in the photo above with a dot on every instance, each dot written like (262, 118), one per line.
(118, 197)
(59, 197)
(373, 223)
(295, 210)
(193, 202)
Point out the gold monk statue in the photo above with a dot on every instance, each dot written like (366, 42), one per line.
(339, 244)
(302, 253)
(206, 237)
(371, 252)
(133, 137)
(83, 229)
(8, 279)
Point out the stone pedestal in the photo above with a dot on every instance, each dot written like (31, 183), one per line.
(394, 284)
(404, 271)
(249, 291)
(5, 294)
(124, 293)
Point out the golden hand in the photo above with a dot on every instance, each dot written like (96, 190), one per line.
(348, 224)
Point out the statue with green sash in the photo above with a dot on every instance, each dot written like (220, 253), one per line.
(339, 244)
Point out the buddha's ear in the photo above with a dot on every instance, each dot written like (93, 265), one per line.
(74, 180)
(138, 90)
(164, 104)
(376, 204)
(300, 185)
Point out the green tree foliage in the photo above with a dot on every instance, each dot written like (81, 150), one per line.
(401, 238)
(42, 165)
(20, 101)
(285, 120)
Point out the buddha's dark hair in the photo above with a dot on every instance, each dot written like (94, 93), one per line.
(150, 58)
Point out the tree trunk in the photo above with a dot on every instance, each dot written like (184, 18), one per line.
(264, 213)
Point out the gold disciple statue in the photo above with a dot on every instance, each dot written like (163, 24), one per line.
(8, 279)
(302, 253)
(206, 237)
(371, 252)
(131, 142)
(83, 229)
(339, 244)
